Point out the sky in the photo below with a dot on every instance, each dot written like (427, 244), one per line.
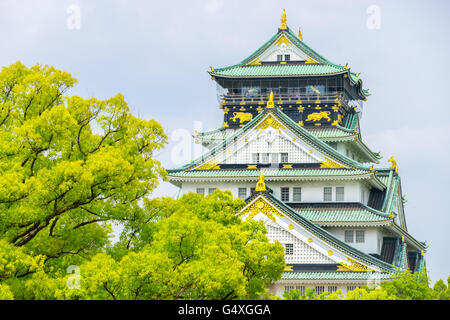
(157, 53)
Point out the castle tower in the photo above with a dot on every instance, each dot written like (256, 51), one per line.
(291, 146)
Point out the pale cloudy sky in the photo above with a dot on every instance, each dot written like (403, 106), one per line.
(157, 53)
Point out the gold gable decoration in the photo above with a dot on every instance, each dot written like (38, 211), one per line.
(282, 40)
(328, 163)
(270, 122)
(211, 165)
(260, 206)
(351, 266)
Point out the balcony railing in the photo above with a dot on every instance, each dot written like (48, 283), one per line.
(285, 98)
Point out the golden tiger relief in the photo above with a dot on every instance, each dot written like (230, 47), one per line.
(316, 116)
(242, 116)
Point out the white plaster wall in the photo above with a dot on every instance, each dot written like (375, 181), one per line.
(312, 191)
(372, 243)
(278, 288)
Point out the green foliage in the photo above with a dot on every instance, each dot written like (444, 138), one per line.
(199, 250)
(68, 166)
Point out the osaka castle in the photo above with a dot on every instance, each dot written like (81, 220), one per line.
(291, 146)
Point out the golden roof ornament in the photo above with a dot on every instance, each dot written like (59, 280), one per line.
(270, 104)
(260, 185)
(394, 164)
(283, 25)
(300, 36)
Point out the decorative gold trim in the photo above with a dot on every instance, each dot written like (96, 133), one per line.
(287, 166)
(351, 266)
(261, 206)
(328, 163)
(209, 166)
(251, 166)
(291, 227)
(270, 122)
(283, 25)
(256, 62)
(317, 116)
(288, 268)
(330, 252)
(260, 185)
(270, 104)
(282, 40)
(300, 36)
(394, 164)
(309, 60)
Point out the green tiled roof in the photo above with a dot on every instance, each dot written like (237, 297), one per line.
(331, 132)
(269, 173)
(323, 67)
(337, 275)
(331, 214)
(285, 70)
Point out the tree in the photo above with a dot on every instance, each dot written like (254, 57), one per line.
(199, 250)
(69, 166)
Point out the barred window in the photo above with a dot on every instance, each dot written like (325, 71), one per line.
(351, 288)
(327, 194)
(242, 193)
(287, 288)
(200, 190)
(287, 57)
(332, 289)
(289, 247)
(320, 290)
(255, 157)
(279, 57)
(349, 236)
(297, 194)
(302, 290)
(339, 193)
(264, 157)
(211, 190)
(360, 236)
(284, 157)
(285, 194)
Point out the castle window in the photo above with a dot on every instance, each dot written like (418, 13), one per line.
(297, 194)
(265, 157)
(320, 290)
(255, 157)
(289, 247)
(302, 290)
(284, 157)
(287, 288)
(200, 190)
(285, 194)
(348, 236)
(327, 194)
(242, 193)
(339, 193)
(332, 289)
(211, 190)
(287, 57)
(280, 57)
(360, 236)
(351, 288)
